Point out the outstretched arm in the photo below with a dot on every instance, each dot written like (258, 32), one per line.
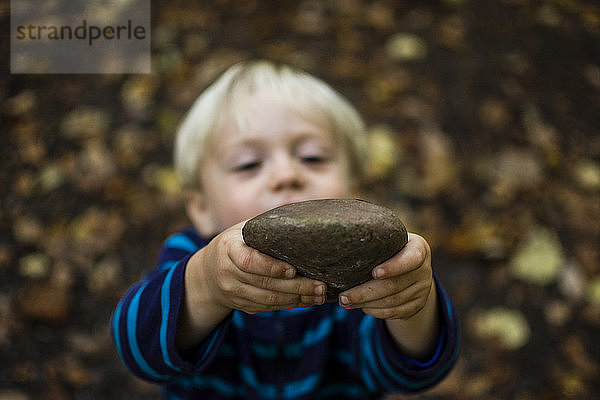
(227, 275)
(404, 294)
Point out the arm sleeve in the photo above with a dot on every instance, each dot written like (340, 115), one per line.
(144, 322)
(382, 366)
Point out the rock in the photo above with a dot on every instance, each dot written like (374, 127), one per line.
(336, 241)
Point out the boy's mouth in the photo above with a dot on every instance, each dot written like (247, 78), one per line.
(293, 200)
(285, 202)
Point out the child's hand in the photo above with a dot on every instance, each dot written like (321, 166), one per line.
(240, 277)
(401, 284)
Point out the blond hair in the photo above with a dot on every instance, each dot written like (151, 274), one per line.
(312, 98)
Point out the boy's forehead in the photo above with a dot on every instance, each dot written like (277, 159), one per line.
(297, 131)
(248, 105)
(268, 114)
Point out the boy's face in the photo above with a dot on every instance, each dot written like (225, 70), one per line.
(277, 158)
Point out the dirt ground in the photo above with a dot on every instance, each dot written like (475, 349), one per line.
(484, 134)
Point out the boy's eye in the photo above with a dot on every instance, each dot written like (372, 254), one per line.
(313, 153)
(313, 159)
(248, 166)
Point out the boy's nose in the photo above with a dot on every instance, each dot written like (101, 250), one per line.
(286, 174)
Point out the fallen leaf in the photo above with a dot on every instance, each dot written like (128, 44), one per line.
(539, 258)
(406, 47)
(508, 327)
(383, 153)
(593, 292)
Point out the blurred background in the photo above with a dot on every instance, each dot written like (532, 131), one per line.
(484, 136)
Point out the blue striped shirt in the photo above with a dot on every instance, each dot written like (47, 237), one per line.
(320, 352)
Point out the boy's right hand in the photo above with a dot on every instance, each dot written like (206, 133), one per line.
(239, 277)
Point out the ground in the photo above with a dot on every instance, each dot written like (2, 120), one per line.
(484, 137)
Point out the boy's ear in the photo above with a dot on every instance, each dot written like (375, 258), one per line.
(198, 212)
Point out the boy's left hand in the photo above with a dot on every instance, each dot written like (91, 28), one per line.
(401, 285)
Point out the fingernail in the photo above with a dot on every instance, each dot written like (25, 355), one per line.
(319, 290)
(378, 273)
(289, 273)
(319, 300)
(344, 300)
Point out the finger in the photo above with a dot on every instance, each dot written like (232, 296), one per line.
(418, 291)
(374, 290)
(254, 309)
(412, 256)
(271, 300)
(403, 311)
(252, 261)
(299, 285)
(251, 307)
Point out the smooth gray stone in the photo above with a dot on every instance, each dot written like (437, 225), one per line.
(336, 241)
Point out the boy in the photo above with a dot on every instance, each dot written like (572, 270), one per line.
(219, 320)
